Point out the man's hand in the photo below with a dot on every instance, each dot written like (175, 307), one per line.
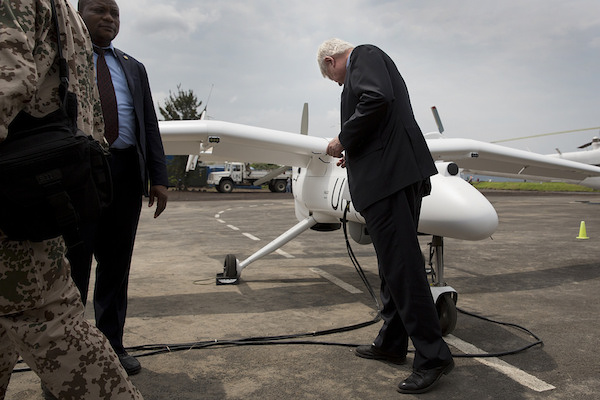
(335, 148)
(160, 193)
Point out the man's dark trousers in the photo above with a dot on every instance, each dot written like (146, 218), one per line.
(114, 238)
(392, 223)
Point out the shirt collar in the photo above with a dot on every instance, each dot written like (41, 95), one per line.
(348, 59)
(109, 49)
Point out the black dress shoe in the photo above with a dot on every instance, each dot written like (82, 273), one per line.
(375, 353)
(420, 381)
(130, 363)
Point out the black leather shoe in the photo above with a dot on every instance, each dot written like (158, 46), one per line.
(375, 353)
(420, 381)
(130, 363)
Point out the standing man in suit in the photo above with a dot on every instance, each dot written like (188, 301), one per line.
(389, 165)
(137, 157)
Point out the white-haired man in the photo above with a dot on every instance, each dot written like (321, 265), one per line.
(382, 147)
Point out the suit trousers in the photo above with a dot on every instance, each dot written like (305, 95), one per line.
(111, 241)
(408, 308)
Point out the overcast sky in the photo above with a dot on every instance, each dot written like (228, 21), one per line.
(494, 69)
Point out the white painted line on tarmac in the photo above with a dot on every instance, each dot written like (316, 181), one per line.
(250, 236)
(337, 281)
(283, 253)
(512, 372)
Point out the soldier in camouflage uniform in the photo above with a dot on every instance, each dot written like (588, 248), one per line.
(41, 314)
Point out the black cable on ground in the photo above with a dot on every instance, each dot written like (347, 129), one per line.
(155, 349)
(289, 339)
(537, 342)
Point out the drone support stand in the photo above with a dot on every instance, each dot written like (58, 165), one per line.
(233, 268)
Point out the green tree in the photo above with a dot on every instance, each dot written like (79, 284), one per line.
(183, 105)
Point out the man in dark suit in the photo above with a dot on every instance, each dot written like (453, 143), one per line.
(137, 157)
(389, 165)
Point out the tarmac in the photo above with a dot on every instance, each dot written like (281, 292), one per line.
(534, 272)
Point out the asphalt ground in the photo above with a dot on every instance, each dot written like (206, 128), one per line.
(534, 273)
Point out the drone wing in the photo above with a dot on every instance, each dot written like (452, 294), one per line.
(224, 141)
(492, 159)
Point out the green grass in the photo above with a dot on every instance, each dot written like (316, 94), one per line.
(533, 186)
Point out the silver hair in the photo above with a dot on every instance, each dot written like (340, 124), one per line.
(331, 48)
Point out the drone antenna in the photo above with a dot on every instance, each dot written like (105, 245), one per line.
(212, 85)
(203, 114)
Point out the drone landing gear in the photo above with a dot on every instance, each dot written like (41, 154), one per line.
(232, 268)
(229, 276)
(444, 296)
(446, 308)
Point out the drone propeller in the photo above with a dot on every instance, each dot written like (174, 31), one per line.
(438, 121)
(304, 121)
(595, 139)
(583, 146)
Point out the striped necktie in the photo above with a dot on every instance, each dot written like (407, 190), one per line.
(107, 98)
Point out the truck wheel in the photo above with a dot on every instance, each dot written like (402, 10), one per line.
(225, 186)
(278, 186)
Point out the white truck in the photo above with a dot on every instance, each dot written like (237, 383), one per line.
(240, 174)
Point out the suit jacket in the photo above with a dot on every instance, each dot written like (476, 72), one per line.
(149, 145)
(385, 148)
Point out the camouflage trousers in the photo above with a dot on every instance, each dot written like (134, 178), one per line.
(41, 319)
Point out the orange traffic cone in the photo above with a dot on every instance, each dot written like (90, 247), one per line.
(582, 232)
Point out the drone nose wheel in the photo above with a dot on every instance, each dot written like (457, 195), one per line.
(229, 276)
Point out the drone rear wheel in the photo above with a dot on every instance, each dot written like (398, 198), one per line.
(446, 309)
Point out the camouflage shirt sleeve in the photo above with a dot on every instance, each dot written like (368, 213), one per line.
(29, 74)
(18, 71)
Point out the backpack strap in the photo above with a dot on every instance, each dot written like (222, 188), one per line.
(63, 67)
(58, 198)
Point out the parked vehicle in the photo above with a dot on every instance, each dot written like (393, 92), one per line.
(240, 174)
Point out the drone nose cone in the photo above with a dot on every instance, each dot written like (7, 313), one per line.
(456, 209)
